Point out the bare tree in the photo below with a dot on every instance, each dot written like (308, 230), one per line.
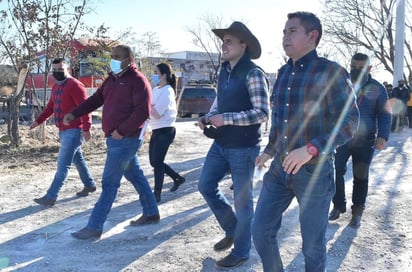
(30, 26)
(367, 25)
(205, 39)
(148, 46)
(101, 42)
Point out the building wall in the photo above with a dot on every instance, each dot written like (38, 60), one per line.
(193, 66)
(188, 65)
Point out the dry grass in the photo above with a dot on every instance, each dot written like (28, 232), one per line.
(35, 151)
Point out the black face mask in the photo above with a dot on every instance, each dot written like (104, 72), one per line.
(401, 85)
(356, 75)
(59, 76)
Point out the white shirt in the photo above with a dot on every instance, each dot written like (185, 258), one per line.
(164, 102)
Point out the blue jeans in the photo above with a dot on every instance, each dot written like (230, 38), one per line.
(160, 141)
(70, 152)
(121, 160)
(240, 162)
(362, 154)
(313, 187)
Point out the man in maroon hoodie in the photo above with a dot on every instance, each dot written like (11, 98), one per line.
(66, 94)
(126, 96)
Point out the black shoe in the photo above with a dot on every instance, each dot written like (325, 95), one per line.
(224, 244)
(45, 201)
(357, 212)
(86, 191)
(355, 221)
(335, 213)
(145, 220)
(85, 234)
(157, 196)
(230, 261)
(177, 182)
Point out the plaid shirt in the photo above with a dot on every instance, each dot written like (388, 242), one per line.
(313, 102)
(258, 92)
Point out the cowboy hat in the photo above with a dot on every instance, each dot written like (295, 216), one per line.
(243, 33)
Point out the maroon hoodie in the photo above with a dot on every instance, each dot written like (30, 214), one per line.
(126, 102)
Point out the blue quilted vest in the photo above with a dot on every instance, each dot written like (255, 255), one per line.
(233, 96)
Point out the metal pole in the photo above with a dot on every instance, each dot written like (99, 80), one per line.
(399, 42)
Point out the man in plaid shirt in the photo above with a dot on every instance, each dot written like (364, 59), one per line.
(314, 111)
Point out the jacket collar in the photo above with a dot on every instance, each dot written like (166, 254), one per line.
(306, 59)
(226, 65)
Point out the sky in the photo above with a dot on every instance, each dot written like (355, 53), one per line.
(169, 19)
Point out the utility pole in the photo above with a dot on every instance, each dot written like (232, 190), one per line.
(399, 42)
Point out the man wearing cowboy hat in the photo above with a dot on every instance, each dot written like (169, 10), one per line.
(240, 107)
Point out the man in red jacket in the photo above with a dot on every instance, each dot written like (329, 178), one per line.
(66, 94)
(126, 96)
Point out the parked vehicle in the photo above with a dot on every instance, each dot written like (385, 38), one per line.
(195, 99)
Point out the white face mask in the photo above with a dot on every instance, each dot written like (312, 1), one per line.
(116, 66)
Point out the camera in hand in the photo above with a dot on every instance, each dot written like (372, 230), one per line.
(211, 132)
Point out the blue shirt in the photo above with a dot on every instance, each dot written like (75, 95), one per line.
(313, 102)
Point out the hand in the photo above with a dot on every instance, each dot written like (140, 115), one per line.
(380, 143)
(216, 120)
(202, 122)
(33, 125)
(296, 159)
(116, 135)
(261, 159)
(86, 135)
(154, 113)
(68, 118)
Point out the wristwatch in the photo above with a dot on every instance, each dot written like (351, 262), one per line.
(312, 150)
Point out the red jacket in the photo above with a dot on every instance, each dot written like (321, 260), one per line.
(126, 102)
(65, 96)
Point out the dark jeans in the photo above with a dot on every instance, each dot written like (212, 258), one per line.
(160, 141)
(362, 153)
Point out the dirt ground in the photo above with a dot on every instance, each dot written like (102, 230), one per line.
(34, 238)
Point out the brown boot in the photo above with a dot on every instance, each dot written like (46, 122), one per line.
(85, 234)
(224, 244)
(86, 191)
(45, 201)
(230, 261)
(145, 220)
